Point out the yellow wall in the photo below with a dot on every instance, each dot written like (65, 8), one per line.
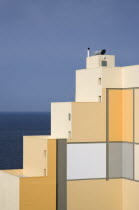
(121, 115)
(39, 193)
(94, 195)
(89, 121)
(115, 194)
(130, 195)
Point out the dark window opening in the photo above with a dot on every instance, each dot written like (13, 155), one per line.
(104, 63)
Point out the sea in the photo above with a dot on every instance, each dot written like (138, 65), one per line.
(15, 125)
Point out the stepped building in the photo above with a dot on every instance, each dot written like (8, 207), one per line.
(91, 159)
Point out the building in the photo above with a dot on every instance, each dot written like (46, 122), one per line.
(91, 159)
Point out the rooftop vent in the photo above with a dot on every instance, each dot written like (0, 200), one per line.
(100, 52)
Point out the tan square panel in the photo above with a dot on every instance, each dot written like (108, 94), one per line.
(94, 195)
(89, 121)
(130, 195)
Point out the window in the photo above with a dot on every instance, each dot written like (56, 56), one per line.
(45, 172)
(69, 116)
(99, 81)
(104, 63)
(69, 134)
(44, 153)
(99, 98)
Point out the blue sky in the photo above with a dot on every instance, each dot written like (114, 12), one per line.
(43, 42)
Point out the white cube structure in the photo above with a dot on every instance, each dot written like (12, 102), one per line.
(61, 120)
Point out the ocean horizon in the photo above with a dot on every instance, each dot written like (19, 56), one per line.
(15, 125)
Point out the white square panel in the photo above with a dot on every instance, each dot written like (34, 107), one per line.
(86, 161)
(136, 165)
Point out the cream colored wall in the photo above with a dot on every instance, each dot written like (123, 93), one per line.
(112, 77)
(88, 88)
(89, 121)
(16, 172)
(34, 156)
(95, 61)
(9, 191)
(131, 76)
(60, 124)
(94, 195)
(92, 62)
(120, 77)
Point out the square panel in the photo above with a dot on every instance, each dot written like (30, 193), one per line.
(136, 114)
(89, 121)
(136, 158)
(86, 161)
(115, 160)
(121, 115)
(127, 160)
(121, 160)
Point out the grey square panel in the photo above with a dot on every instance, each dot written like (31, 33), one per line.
(121, 160)
(115, 160)
(127, 160)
